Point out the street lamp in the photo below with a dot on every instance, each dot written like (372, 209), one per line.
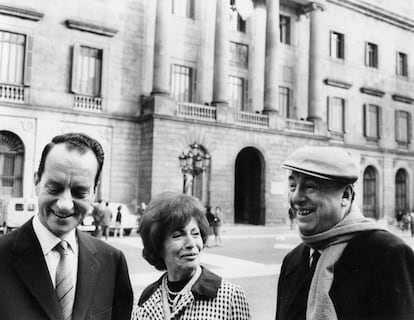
(192, 163)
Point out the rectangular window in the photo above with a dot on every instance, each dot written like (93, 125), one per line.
(372, 121)
(237, 89)
(181, 83)
(284, 26)
(371, 55)
(402, 126)
(402, 65)
(336, 115)
(239, 54)
(87, 71)
(183, 8)
(284, 101)
(12, 51)
(236, 22)
(337, 45)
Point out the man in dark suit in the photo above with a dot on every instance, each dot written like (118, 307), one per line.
(48, 268)
(348, 266)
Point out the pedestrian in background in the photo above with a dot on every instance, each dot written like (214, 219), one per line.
(217, 221)
(364, 272)
(210, 219)
(292, 217)
(106, 221)
(174, 230)
(97, 214)
(118, 223)
(48, 268)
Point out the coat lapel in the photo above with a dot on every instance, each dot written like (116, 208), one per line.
(31, 267)
(153, 307)
(298, 275)
(88, 271)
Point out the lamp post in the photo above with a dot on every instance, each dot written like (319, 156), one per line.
(192, 163)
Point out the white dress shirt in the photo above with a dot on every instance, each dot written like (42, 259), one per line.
(48, 241)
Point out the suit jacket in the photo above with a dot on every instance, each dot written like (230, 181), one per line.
(373, 279)
(103, 289)
(209, 298)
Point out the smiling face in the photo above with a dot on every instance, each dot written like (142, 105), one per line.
(181, 251)
(319, 204)
(66, 188)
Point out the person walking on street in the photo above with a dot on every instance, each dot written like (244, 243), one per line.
(217, 221)
(51, 270)
(106, 221)
(118, 223)
(97, 214)
(347, 266)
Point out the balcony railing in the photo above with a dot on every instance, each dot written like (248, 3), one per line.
(300, 125)
(86, 103)
(11, 93)
(196, 111)
(251, 119)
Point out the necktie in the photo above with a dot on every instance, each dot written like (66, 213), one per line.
(315, 258)
(64, 284)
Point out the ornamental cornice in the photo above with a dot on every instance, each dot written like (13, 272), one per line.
(90, 27)
(377, 13)
(22, 13)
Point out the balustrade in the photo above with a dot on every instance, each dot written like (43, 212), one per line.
(11, 93)
(196, 111)
(93, 104)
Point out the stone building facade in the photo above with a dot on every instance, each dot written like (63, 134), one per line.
(248, 81)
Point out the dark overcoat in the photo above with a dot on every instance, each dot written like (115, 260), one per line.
(103, 289)
(373, 279)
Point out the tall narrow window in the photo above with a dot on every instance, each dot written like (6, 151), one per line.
(401, 202)
(336, 114)
(284, 25)
(371, 55)
(87, 74)
(370, 193)
(402, 65)
(337, 45)
(239, 54)
(11, 165)
(284, 101)
(403, 126)
(372, 121)
(237, 88)
(183, 8)
(12, 51)
(181, 83)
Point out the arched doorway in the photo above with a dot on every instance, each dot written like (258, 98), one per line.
(401, 191)
(249, 187)
(370, 206)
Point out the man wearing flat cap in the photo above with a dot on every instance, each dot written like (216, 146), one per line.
(347, 267)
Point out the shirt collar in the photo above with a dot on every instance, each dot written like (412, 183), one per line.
(48, 240)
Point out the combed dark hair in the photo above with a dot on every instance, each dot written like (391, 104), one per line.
(166, 213)
(74, 141)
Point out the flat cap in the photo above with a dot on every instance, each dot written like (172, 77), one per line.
(330, 163)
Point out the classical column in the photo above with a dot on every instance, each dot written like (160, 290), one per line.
(318, 51)
(161, 77)
(221, 54)
(271, 89)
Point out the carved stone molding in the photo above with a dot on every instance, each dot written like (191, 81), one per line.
(401, 98)
(337, 83)
(90, 27)
(22, 13)
(372, 91)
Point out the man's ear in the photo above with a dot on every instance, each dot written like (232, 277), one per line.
(36, 183)
(347, 196)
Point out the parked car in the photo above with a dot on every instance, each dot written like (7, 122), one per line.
(19, 210)
(129, 220)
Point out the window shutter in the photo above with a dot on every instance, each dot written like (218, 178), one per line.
(194, 85)
(75, 67)
(397, 135)
(246, 95)
(345, 115)
(366, 54)
(365, 119)
(102, 73)
(410, 130)
(379, 122)
(28, 61)
(328, 113)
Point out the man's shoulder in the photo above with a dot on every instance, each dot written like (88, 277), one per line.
(96, 244)
(376, 238)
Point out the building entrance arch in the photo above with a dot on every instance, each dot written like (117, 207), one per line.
(249, 204)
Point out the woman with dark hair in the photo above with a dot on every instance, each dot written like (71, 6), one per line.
(174, 230)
